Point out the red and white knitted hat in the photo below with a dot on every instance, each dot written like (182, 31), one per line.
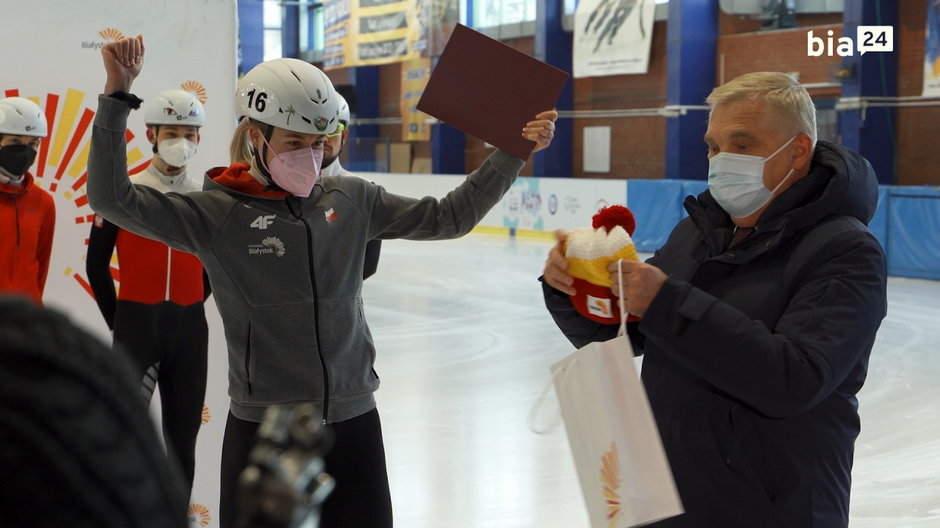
(590, 251)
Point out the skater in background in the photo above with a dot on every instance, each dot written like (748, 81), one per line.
(332, 148)
(27, 213)
(158, 315)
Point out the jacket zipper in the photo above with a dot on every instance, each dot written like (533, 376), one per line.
(248, 361)
(16, 213)
(316, 302)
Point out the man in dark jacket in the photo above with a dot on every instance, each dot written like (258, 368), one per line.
(758, 316)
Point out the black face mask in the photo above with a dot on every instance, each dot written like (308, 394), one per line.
(17, 159)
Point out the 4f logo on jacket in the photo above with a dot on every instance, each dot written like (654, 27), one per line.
(263, 221)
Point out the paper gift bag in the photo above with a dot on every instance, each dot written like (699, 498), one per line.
(625, 477)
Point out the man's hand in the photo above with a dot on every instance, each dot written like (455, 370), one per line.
(541, 130)
(641, 283)
(123, 60)
(556, 266)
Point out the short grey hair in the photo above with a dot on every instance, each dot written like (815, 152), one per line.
(781, 91)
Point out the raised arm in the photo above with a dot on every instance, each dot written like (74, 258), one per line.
(455, 214)
(169, 218)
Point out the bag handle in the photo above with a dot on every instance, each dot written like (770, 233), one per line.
(623, 313)
(540, 401)
(543, 395)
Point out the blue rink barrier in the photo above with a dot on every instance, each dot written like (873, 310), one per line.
(913, 231)
(657, 207)
(906, 222)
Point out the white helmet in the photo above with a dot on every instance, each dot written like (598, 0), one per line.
(175, 107)
(343, 110)
(290, 94)
(21, 117)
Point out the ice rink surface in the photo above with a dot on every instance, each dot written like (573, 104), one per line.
(464, 344)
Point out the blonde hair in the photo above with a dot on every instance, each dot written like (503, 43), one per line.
(780, 91)
(240, 148)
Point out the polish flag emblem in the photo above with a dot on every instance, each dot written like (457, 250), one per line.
(330, 215)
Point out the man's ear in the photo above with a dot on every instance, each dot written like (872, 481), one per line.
(803, 153)
(152, 135)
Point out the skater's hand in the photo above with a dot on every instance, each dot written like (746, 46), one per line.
(541, 130)
(123, 60)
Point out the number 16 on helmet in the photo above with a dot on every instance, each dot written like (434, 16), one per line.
(289, 94)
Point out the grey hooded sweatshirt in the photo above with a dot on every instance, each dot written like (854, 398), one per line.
(286, 271)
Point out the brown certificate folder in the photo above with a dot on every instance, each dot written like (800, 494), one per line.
(489, 90)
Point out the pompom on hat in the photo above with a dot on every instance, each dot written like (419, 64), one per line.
(590, 251)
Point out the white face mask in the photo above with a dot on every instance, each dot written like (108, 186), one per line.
(736, 181)
(176, 152)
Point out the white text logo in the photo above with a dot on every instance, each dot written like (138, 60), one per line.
(868, 38)
(263, 221)
(268, 246)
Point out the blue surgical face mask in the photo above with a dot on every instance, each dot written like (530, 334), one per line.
(736, 181)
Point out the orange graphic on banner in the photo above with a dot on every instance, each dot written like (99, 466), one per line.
(196, 88)
(199, 515)
(612, 480)
(110, 34)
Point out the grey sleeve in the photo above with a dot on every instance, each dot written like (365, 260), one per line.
(452, 216)
(173, 219)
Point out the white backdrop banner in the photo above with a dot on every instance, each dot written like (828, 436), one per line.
(612, 37)
(546, 204)
(53, 57)
(540, 204)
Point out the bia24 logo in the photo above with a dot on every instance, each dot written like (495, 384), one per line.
(867, 38)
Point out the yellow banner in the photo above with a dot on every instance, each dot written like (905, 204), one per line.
(414, 77)
(369, 32)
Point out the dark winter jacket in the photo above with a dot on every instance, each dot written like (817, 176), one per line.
(754, 355)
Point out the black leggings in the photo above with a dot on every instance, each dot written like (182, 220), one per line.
(361, 498)
(169, 342)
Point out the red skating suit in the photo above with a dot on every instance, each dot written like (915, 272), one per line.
(27, 221)
(157, 316)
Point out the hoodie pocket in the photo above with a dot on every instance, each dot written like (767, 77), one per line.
(282, 359)
(748, 452)
(350, 352)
